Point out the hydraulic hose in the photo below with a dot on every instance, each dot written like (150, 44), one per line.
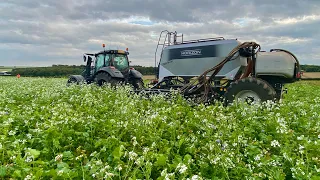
(204, 83)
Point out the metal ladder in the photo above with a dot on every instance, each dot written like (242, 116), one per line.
(168, 38)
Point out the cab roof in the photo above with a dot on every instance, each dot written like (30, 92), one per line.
(109, 52)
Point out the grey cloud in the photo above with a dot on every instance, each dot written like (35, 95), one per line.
(49, 32)
(166, 10)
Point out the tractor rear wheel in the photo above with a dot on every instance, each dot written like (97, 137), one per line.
(249, 90)
(104, 78)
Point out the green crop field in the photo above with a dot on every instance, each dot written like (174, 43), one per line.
(9, 68)
(48, 130)
(5, 69)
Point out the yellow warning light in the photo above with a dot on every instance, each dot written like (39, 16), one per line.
(121, 52)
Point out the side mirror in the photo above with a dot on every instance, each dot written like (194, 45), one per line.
(84, 58)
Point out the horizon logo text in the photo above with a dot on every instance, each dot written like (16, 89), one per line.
(194, 52)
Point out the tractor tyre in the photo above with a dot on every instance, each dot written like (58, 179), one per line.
(249, 90)
(138, 84)
(104, 78)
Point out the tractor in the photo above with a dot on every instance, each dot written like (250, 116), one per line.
(222, 69)
(110, 67)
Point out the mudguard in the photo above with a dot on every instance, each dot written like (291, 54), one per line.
(136, 74)
(77, 79)
(115, 73)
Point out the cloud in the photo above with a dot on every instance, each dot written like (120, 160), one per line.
(42, 33)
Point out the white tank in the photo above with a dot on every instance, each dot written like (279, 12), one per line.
(275, 63)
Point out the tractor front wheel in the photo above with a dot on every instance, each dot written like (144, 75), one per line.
(138, 84)
(249, 90)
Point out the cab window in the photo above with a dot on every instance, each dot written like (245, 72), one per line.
(100, 60)
(121, 61)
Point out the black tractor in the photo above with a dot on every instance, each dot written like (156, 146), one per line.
(109, 67)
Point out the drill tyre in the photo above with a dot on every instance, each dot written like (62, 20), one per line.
(249, 90)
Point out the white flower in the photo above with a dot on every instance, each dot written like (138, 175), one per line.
(132, 155)
(258, 157)
(301, 148)
(300, 137)
(93, 154)
(29, 158)
(93, 175)
(79, 157)
(108, 175)
(168, 176)
(11, 133)
(13, 157)
(153, 145)
(139, 161)
(134, 141)
(182, 168)
(28, 177)
(29, 136)
(99, 162)
(275, 143)
(287, 157)
(119, 167)
(145, 150)
(60, 172)
(164, 172)
(195, 177)
(58, 157)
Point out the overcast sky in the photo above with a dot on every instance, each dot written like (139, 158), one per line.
(46, 32)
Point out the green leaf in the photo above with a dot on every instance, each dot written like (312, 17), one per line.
(186, 158)
(17, 173)
(35, 153)
(2, 171)
(161, 160)
(56, 143)
(62, 165)
(117, 153)
(85, 134)
(67, 155)
(315, 177)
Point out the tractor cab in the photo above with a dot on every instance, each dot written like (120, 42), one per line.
(113, 59)
(117, 59)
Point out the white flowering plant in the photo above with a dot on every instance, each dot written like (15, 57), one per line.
(49, 131)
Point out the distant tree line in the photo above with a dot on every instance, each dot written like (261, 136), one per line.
(310, 68)
(66, 70)
(53, 71)
(145, 70)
